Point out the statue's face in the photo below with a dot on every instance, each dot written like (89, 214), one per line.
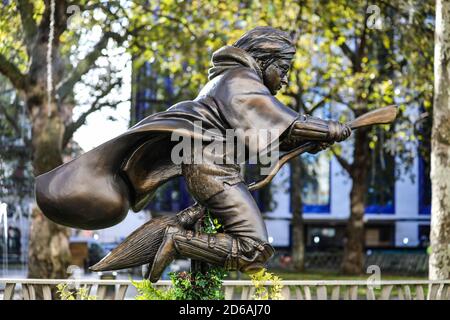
(275, 75)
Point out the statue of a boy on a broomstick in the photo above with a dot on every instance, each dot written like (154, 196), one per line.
(97, 189)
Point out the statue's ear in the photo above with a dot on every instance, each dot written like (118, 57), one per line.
(263, 64)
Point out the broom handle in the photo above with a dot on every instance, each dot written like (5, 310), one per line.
(379, 116)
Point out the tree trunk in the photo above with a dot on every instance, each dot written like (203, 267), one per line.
(439, 264)
(49, 254)
(353, 260)
(298, 243)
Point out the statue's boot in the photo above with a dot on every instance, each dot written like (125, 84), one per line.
(232, 253)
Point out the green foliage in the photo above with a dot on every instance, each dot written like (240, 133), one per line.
(210, 225)
(343, 66)
(198, 286)
(185, 286)
(66, 293)
(266, 292)
(189, 285)
(148, 292)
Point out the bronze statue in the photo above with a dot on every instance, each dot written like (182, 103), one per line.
(97, 189)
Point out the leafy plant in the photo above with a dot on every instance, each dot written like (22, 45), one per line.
(185, 286)
(148, 292)
(197, 285)
(210, 225)
(263, 292)
(67, 293)
(189, 285)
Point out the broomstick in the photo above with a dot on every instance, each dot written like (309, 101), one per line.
(140, 247)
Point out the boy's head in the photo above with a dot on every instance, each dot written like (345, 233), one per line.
(273, 49)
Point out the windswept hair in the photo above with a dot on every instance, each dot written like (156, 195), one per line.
(267, 44)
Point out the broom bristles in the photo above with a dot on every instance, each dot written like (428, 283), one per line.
(138, 248)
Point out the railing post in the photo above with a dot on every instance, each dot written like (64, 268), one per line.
(307, 293)
(121, 292)
(400, 293)
(244, 294)
(335, 293)
(407, 291)
(386, 292)
(9, 291)
(298, 293)
(353, 292)
(322, 293)
(25, 292)
(286, 293)
(46, 292)
(441, 293)
(432, 291)
(229, 290)
(420, 295)
(370, 293)
(101, 291)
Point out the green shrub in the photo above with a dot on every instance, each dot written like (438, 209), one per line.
(66, 293)
(189, 285)
(148, 292)
(185, 286)
(263, 292)
(209, 224)
(198, 286)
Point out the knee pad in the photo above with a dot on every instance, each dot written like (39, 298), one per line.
(252, 255)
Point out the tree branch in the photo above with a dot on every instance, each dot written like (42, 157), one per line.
(362, 40)
(344, 163)
(344, 47)
(184, 24)
(10, 71)
(86, 64)
(95, 106)
(319, 104)
(11, 120)
(26, 10)
(60, 19)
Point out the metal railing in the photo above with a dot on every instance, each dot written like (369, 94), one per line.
(30, 289)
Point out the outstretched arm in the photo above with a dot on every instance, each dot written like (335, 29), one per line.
(308, 128)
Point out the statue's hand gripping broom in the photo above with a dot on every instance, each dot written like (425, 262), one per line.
(141, 246)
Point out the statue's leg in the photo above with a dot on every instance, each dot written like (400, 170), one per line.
(243, 245)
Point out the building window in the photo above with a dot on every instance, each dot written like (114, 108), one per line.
(379, 236)
(424, 236)
(263, 196)
(423, 131)
(316, 183)
(324, 237)
(333, 236)
(424, 186)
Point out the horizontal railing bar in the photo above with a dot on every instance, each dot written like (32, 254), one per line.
(233, 282)
(341, 282)
(75, 281)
